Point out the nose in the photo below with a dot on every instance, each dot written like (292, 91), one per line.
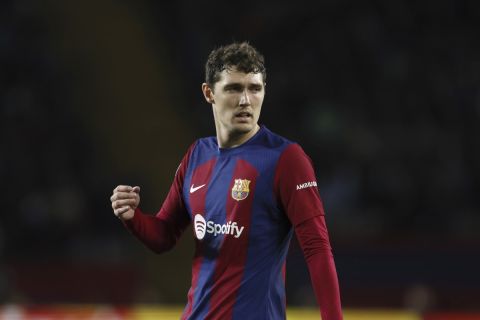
(244, 99)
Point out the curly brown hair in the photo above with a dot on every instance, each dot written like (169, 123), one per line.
(243, 56)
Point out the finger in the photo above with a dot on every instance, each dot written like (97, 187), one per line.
(120, 211)
(122, 195)
(122, 188)
(114, 197)
(136, 189)
(125, 202)
(117, 204)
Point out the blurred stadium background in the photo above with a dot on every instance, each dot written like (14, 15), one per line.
(384, 96)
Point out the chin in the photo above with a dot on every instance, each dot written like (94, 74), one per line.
(242, 128)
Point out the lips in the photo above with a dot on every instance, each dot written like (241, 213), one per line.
(243, 114)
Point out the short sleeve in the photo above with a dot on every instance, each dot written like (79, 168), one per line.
(296, 185)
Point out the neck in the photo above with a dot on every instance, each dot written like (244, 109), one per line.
(232, 140)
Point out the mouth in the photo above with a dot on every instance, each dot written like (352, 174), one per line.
(243, 115)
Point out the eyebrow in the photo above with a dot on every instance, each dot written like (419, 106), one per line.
(237, 85)
(234, 85)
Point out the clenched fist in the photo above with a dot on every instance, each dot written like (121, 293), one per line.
(125, 200)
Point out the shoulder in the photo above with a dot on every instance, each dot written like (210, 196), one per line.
(288, 149)
(294, 151)
(273, 141)
(205, 143)
(294, 158)
(202, 150)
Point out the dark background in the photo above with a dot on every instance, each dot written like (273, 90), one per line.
(383, 95)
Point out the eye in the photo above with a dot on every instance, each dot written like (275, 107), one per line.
(256, 89)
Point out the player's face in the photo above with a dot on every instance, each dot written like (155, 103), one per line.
(237, 101)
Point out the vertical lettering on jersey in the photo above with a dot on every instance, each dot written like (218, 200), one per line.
(232, 257)
(197, 193)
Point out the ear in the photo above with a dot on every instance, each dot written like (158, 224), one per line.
(207, 93)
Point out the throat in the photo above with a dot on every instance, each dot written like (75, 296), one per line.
(235, 139)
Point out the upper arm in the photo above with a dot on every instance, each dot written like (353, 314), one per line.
(173, 210)
(296, 185)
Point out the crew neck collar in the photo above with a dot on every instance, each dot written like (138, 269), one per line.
(246, 143)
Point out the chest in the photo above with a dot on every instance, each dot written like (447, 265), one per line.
(232, 197)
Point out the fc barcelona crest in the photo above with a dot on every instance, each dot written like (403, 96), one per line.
(240, 189)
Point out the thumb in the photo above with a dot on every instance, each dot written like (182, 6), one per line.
(136, 189)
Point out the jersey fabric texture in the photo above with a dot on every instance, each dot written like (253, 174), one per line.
(243, 205)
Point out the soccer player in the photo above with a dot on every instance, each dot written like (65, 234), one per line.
(244, 192)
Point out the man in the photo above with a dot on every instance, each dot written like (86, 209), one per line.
(244, 192)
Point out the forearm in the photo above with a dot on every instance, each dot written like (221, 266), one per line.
(313, 238)
(152, 231)
(325, 284)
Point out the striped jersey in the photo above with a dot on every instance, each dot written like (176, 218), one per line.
(242, 205)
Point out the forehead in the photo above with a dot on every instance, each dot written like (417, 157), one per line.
(231, 75)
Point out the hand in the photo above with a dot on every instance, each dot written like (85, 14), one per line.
(125, 200)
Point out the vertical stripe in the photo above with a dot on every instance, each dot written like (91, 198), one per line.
(201, 176)
(230, 266)
(284, 276)
(215, 204)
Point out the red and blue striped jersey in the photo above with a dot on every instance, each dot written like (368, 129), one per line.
(243, 205)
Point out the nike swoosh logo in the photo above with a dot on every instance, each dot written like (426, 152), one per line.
(193, 189)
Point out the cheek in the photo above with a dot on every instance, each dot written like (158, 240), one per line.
(228, 103)
(258, 104)
(258, 99)
(224, 110)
